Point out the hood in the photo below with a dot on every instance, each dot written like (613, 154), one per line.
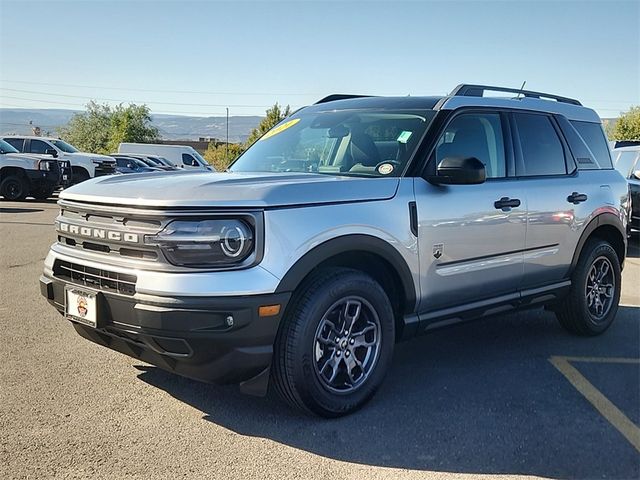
(90, 155)
(31, 156)
(204, 189)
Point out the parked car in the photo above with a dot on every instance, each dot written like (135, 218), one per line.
(627, 162)
(354, 223)
(182, 156)
(149, 160)
(84, 165)
(133, 165)
(24, 176)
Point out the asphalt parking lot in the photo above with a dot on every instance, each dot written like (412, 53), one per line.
(513, 396)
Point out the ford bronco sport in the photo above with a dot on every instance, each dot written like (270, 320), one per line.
(354, 223)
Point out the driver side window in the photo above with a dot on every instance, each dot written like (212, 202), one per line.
(476, 135)
(189, 160)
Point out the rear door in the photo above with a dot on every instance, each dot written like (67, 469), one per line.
(470, 244)
(559, 197)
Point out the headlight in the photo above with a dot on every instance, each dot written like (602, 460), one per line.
(44, 165)
(207, 243)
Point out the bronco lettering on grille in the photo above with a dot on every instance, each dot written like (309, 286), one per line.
(99, 233)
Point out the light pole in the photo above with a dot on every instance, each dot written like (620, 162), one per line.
(227, 151)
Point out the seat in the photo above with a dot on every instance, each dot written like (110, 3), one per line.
(470, 140)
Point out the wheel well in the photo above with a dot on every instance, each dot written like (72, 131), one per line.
(611, 235)
(380, 270)
(79, 170)
(6, 171)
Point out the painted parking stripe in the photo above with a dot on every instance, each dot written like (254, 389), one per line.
(601, 403)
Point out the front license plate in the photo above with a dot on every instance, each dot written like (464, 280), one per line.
(82, 306)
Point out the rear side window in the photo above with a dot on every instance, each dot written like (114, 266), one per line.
(38, 146)
(17, 143)
(541, 148)
(593, 136)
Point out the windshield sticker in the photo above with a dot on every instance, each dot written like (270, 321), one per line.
(280, 128)
(385, 169)
(404, 136)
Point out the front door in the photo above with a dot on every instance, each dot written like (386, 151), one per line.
(471, 237)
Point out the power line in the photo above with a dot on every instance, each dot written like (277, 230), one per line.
(82, 107)
(134, 101)
(159, 91)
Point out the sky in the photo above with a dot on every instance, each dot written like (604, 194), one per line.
(198, 58)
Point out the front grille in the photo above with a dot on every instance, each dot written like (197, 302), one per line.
(105, 168)
(97, 278)
(88, 221)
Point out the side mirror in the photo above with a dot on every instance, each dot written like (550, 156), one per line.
(51, 151)
(459, 171)
(636, 174)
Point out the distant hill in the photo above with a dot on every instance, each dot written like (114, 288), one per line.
(171, 127)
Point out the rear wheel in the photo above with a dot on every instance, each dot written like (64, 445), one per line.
(14, 188)
(592, 303)
(335, 344)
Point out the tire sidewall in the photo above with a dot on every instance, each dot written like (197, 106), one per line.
(6, 183)
(313, 394)
(597, 250)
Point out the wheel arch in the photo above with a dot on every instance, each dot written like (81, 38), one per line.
(605, 226)
(11, 170)
(366, 253)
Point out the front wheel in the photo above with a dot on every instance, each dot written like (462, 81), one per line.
(14, 188)
(335, 344)
(592, 303)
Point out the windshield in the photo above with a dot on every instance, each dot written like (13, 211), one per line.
(7, 148)
(348, 142)
(166, 162)
(64, 146)
(203, 162)
(626, 162)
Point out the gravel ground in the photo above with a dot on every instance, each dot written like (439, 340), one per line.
(467, 402)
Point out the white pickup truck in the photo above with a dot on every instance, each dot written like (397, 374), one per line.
(84, 165)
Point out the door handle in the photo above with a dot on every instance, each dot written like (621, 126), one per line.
(577, 198)
(506, 202)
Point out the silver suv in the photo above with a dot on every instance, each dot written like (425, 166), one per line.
(355, 223)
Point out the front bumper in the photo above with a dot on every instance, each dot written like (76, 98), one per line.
(190, 336)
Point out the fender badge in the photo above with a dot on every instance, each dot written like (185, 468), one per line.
(438, 250)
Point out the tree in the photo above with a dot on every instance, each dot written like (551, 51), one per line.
(216, 155)
(274, 115)
(131, 124)
(627, 127)
(101, 127)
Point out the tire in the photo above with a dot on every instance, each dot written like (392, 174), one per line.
(14, 188)
(42, 193)
(592, 303)
(79, 175)
(308, 349)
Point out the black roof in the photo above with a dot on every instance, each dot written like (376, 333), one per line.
(362, 102)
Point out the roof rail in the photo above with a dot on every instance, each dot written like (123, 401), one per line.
(338, 96)
(468, 90)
